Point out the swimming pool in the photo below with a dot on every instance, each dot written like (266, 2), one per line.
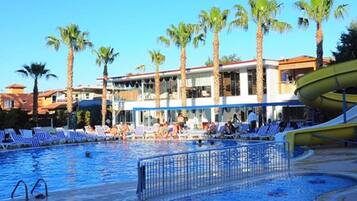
(66, 167)
(305, 187)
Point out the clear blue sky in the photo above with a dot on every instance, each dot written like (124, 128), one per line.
(132, 27)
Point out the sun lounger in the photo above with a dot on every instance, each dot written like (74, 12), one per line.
(273, 129)
(261, 131)
(197, 134)
(151, 131)
(4, 145)
(18, 139)
(101, 132)
(43, 136)
(138, 132)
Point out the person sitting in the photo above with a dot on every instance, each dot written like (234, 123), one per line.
(175, 130)
(229, 128)
(165, 130)
(114, 131)
(211, 128)
(181, 121)
(236, 121)
(125, 130)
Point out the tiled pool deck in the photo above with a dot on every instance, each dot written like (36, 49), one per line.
(331, 160)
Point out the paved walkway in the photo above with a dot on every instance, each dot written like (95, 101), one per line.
(332, 160)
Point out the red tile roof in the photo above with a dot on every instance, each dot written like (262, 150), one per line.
(47, 93)
(21, 101)
(53, 106)
(16, 86)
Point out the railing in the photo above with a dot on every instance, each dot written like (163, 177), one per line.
(37, 184)
(17, 185)
(172, 173)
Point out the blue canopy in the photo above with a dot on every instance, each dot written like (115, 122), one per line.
(287, 103)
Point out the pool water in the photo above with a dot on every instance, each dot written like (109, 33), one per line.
(67, 167)
(299, 187)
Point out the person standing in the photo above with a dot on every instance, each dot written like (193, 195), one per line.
(252, 120)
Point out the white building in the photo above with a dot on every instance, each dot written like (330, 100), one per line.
(134, 93)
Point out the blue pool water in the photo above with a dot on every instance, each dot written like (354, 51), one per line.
(299, 187)
(66, 167)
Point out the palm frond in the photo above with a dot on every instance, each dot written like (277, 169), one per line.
(164, 40)
(140, 67)
(48, 76)
(53, 41)
(23, 72)
(280, 26)
(241, 18)
(303, 22)
(340, 11)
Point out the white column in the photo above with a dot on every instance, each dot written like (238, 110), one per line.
(178, 88)
(166, 115)
(243, 78)
(142, 91)
(137, 118)
(212, 95)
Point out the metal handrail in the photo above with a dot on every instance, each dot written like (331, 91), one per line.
(205, 150)
(36, 184)
(171, 173)
(17, 185)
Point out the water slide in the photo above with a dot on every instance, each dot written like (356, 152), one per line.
(317, 89)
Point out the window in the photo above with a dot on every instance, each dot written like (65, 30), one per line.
(54, 99)
(229, 84)
(9, 103)
(198, 92)
(87, 96)
(252, 82)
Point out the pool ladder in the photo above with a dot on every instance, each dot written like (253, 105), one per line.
(26, 189)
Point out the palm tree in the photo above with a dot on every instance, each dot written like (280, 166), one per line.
(157, 59)
(215, 20)
(318, 11)
(76, 41)
(105, 56)
(263, 13)
(35, 71)
(181, 36)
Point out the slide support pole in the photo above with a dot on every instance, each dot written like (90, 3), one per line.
(344, 105)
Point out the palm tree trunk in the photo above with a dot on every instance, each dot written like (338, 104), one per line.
(70, 59)
(104, 94)
(157, 92)
(216, 70)
(259, 69)
(183, 79)
(35, 103)
(319, 45)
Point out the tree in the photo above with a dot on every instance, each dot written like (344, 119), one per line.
(263, 13)
(35, 71)
(105, 56)
(347, 46)
(157, 59)
(318, 11)
(181, 36)
(226, 59)
(214, 20)
(76, 41)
